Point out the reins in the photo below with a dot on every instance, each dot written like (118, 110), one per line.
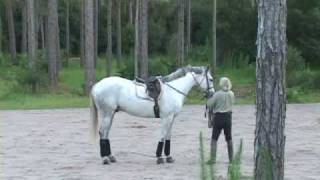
(177, 90)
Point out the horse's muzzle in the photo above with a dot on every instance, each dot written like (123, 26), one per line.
(208, 94)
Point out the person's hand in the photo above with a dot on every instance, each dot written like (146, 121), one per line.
(210, 118)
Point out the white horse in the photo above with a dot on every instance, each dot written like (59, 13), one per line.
(114, 94)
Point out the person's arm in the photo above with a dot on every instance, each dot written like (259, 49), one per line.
(211, 102)
(232, 97)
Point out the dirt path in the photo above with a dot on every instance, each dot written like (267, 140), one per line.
(54, 144)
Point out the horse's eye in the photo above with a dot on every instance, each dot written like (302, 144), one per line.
(211, 80)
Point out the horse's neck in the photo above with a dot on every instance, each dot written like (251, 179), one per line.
(184, 84)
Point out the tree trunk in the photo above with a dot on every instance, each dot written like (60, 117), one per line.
(119, 32)
(53, 44)
(31, 38)
(271, 93)
(96, 30)
(137, 41)
(141, 39)
(89, 45)
(37, 20)
(180, 34)
(0, 36)
(12, 34)
(24, 28)
(130, 12)
(67, 33)
(188, 44)
(59, 64)
(82, 35)
(42, 33)
(42, 24)
(214, 37)
(109, 34)
(144, 39)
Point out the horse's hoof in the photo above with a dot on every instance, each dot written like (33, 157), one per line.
(160, 160)
(112, 159)
(105, 160)
(169, 159)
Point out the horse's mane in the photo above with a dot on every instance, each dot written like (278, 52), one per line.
(183, 71)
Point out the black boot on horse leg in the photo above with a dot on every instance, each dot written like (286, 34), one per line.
(159, 153)
(105, 152)
(169, 159)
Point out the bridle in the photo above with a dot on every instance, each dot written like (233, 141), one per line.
(207, 91)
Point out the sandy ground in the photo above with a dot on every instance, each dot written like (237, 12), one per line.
(55, 144)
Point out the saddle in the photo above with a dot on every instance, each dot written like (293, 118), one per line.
(153, 90)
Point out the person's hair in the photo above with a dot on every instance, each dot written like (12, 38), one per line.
(225, 84)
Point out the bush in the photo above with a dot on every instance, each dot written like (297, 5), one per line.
(304, 79)
(127, 39)
(235, 60)
(200, 54)
(157, 66)
(161, 66)
(299, 76)
(29, 80)
(295, 61)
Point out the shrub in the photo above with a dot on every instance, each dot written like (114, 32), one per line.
(295, 61)
(235, 60)
(200, 54)
(157, 66)
(31, 80)
(304, 79)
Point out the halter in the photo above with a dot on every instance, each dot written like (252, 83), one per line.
(207, 92)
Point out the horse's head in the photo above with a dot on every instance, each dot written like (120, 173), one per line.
(204, 79)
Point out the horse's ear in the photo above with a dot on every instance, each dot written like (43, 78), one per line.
(207, 68)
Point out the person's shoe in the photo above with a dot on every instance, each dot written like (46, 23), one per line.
(105, 160)
(112, 159)
(160, 160)
(169, 159)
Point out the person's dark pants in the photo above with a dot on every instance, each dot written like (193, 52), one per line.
(222, 121)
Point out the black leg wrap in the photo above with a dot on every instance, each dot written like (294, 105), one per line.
(167, 148)
(105, 147)
(159, 149)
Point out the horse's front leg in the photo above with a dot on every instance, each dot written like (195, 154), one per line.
(165, 140)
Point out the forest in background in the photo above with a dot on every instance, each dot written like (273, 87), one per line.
(178, 33)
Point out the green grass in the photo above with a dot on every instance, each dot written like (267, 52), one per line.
(234, 172)
(71, 81)
(43, 101)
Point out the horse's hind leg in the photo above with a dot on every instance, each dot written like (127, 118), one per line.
(164, 143)
(105, 149)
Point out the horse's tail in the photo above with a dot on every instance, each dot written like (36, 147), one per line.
(94, 119)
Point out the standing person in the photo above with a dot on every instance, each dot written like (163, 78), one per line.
(221, 104)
